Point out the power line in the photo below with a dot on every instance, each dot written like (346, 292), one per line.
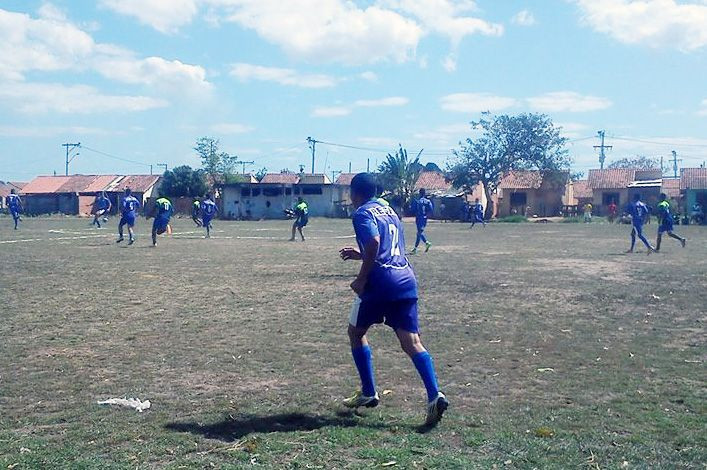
(115, 157)
(669, 144)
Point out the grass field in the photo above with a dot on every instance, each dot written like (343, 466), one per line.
(555, 349)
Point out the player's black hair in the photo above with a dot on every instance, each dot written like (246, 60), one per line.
(663, 196)
(12, 191)
(423, 192)
(364, 184)
(128, 191)
(636, 197)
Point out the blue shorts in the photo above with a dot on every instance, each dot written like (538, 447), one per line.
(397, 314)
(302, 222)
(15, 214)
(128, 219)
(421, 223)
(160, 224)
(478, 218)
(206, 220)
(666, 226)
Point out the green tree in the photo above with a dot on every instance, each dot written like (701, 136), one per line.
(182, 181)
(638, 162)
(399, 174)
(219, 166)
(522, 142)
(260, 174)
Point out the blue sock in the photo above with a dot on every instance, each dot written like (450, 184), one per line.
(426, 368)
(364, 363)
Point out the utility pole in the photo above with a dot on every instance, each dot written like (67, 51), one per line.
(312, 144)
(244, 164)
(333, 175)
(602, 154)
(368, 165)
(162, 164)
(675, 163)
(349, 167)
(70, 148)
(662, 168)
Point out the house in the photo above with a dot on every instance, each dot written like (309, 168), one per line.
(693, 186)
(533, 193)
(620, 184)
(276, 192)
(581, 193)
(74, 195)
(6, 187)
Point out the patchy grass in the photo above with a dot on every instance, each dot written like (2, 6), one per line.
(512, 219)
(555, 349)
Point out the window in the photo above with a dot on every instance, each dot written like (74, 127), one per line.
(272, 192)
(608, 198)
(312, 190)
(256, 192)
(519, 199)
(245, 192)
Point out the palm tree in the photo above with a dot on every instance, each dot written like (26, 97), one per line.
(398, 174)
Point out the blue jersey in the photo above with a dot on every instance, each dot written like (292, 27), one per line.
(478, 209)
(422, 207)
(392, 277)
(102, 203)
(164, 208)
(129, 205)
(208, 208)
(638, 211)
(13, 202)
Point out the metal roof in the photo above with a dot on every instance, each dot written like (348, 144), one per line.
(345, 179)
(317, 178)
(619, 178)
(693, 178)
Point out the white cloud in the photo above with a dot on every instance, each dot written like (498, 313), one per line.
(369, 76)
(328, 30)
(385, 142)
(448, 134)
(229, 128)
(703, 111)
(51, 43)
(331, 111)
(476, 102)
(390, 101)
(163, 15)
(657, 23)
(246, 72)
(568, 101)
(50, 131)
(345, 110)
(573, 129)
(523, 18)
(450, 63)
(74, 99)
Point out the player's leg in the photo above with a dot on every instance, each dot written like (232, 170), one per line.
(16, 218)
(639, 234)
(131, 233)
(301, 233)
(154, 233)
(403, 319)
(359, 322)
(658, 240)
(674, 235)
(633, 239)
(120, 230)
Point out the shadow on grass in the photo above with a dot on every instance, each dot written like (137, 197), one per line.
(234, 428)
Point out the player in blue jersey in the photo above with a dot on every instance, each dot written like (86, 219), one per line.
(386, 291)
(128, 213)
(422, 207)
(666, 222)
(101, 207)
(14, 204)
(163, 212)
(208, 211)
(639, 213)
(477, 215)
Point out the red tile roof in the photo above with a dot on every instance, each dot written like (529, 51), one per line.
(281, 178)
(345, 178)
(693, 178)
(100, 183)
(89, 183)
(671, 187)
(76, 184)
(522, 180)
(137, 183)
(433, 181)
(618, 178)
(45, 184)
(5, 188)
(581, 190)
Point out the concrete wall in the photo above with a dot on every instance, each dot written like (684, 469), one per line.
(540, 202)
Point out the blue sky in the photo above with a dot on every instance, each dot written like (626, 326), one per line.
(141, 80)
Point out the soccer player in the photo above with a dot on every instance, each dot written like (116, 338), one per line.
(301, 218)
(666, 222)
(14, 204)
(163, 212)
(588, 213)
(386, 291)
(195, 208)
(208, 211)
(478, 214)
(422, 207)
(638, 212)
(102, 207)
(128, 210)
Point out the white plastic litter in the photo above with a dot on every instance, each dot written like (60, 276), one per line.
(129, 402)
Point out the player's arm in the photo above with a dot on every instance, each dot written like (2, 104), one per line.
(370, 251)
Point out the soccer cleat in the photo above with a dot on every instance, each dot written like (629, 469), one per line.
(435, 409)
(119, 240)
(414, 251)
(428, 245)
(131, 241)
(359, 399)
(683, 242)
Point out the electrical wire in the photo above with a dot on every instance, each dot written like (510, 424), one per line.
(114, 156)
